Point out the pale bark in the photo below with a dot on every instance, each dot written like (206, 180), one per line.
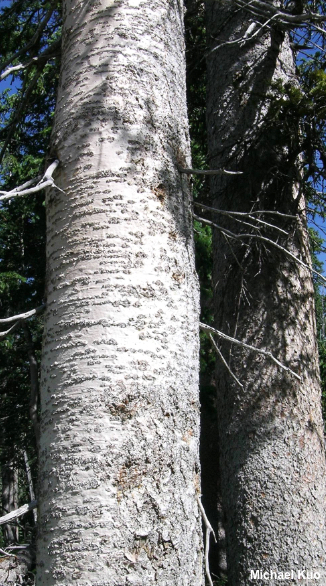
(119, 397)
(270, 431)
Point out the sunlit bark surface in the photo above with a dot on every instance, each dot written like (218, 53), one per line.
(119, 422)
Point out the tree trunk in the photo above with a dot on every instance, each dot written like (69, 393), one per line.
(119, 398)
(9, 478)
(272, 454)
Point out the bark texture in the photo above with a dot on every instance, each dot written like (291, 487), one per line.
(272, 455)
(120, 415)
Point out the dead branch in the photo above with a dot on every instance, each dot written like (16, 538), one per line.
(46, 181)
(49, 53)
(245, 214)
(18, 512)
(266, 353)
(22, 316)
(219, 353)
(263, 8)
(209, 530)
(30, 43)
(188, 171)
(263, 239)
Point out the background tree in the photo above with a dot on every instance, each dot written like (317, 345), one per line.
(270, 425)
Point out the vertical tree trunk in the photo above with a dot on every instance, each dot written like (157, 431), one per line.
(30, 484)
(119, 414)
(9, 480)
(271, 432)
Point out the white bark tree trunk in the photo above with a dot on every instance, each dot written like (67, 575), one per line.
(271, 430)
(119, 416)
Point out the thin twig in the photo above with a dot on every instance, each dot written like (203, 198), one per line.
(30, 483)
(283, 17)
(246, 37)
(264, 239)
(218, 351)
(188, 171)
(4, 334)
(266, 353)
(226, 238)
(209, 530)
(48, 53)
(30, 43)
(269, 225)
(245, 214)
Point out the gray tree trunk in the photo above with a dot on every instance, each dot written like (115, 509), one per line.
(119, 398)
(9, 500)
(272, 454)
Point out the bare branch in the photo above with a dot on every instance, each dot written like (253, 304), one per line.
(46, 181)
(188, 171)
(266, 353)
(263, 239)
(30, 43)
(18, 319)
(218, 351)
(22, 316)
(284, 17)
(4, 334)
(247, 37)
(269, 225)
(209, 530)
(235, 217)
(24, 186)
(30, 483)
(245, 214)
(10, 555)
(47, 54)
(18, 512)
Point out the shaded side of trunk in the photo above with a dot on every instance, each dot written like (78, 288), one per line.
(119, 401)
(270, 429)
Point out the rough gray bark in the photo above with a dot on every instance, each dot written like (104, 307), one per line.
(270, 431)
(119, 398)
